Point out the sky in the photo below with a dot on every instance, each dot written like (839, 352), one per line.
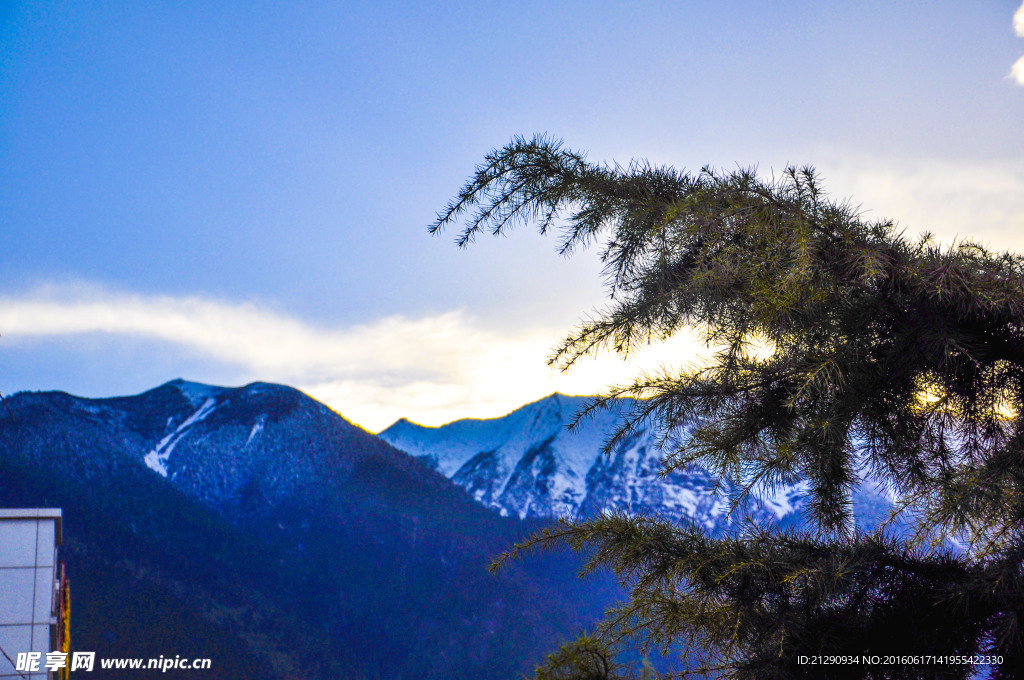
(229, 192)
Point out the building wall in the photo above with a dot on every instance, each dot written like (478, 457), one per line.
(28, 572)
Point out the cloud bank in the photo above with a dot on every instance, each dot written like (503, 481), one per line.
(1017, 71)
(437, 368)
(952, 199)
(432, 369)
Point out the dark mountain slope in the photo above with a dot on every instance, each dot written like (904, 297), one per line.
(282, 540)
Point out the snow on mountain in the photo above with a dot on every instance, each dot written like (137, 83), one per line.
(228, 447)
(530, 465)
(525, 463)
(157, 458)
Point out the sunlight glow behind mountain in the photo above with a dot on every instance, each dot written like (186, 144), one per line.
(431, 370)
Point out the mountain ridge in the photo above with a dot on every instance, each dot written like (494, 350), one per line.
(527, 464)
(275, 512)
(249, 511)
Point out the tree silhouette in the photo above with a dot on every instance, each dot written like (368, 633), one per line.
(898, 359)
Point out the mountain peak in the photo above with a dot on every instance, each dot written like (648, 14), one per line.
(195, 392)
(555, 398)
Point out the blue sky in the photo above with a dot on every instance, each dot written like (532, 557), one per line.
(230, 192)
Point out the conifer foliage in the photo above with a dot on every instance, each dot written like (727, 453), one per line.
(843, 349)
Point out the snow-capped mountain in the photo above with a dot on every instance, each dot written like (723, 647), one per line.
(528, 464)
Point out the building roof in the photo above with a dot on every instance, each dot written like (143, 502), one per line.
(34, 513)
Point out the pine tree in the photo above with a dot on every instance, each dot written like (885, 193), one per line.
(880, 355)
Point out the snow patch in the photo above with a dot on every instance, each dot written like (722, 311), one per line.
(257, 427)
(156, 459)
(682, 497)
(782, 501)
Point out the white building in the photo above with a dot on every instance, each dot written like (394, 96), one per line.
(32, 606)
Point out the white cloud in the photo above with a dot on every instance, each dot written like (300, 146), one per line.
(953, 199)
(438, 368)
(1017, 71)
(431, 370)
(1018, 20)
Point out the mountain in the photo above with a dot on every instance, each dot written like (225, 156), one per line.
(258, 528)
(528, 464)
